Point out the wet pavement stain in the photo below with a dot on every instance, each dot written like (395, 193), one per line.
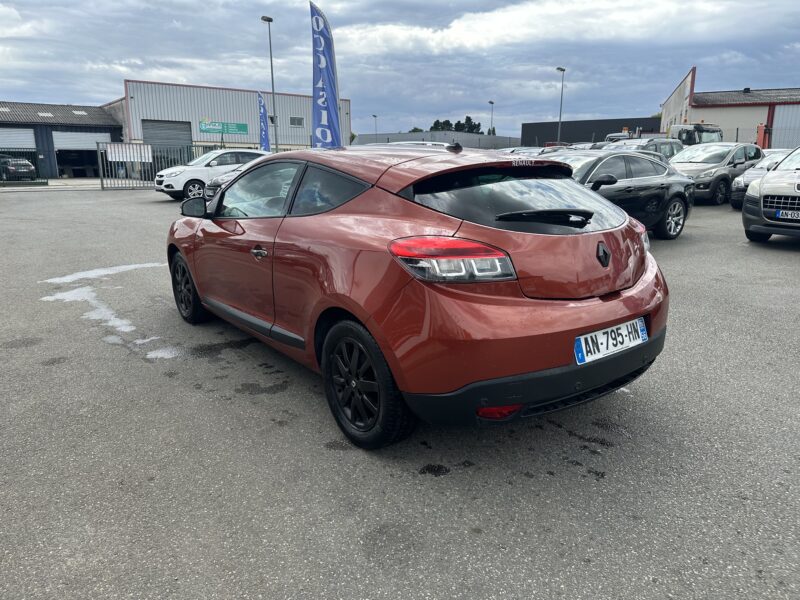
(529, 475)
(254, 389)
(590, 450)
(611, 427)
(591, 439)
(435, 470)
(58, 360)
(170, 374)
(213, 352)
(20, 343)
(597, 474)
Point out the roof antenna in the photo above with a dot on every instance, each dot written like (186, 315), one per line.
(455, 148)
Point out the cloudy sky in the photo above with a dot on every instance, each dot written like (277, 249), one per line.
(409, 61)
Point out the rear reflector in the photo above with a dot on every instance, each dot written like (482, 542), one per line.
(433, 258)
(498, 412)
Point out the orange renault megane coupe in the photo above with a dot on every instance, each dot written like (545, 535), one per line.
(435, 283)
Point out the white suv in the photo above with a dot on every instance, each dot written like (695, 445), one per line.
(189, 181)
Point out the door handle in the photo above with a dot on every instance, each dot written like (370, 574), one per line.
(630, 188)
(259, 252)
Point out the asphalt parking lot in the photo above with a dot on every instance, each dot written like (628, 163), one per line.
(141, 457)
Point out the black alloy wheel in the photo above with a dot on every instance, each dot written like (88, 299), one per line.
(186, 298)
(360, 389)
(720, 192)
(355, 384)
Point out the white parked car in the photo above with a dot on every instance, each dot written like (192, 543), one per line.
(189, 180)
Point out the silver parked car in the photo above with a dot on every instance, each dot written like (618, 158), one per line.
(772, 203)
(714, 166)
(739, 186)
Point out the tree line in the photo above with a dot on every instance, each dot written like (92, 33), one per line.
(467, 126)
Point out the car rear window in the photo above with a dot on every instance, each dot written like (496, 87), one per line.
(479, 195)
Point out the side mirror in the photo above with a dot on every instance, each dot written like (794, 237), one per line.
(605, 179)
(194, 207)
(738, 163)
(213, 163)
(772, 165)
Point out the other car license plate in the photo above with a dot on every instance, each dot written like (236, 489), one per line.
(788, 214)
(592, 346)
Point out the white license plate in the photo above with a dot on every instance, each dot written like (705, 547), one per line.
(787, 214)
(598, 344)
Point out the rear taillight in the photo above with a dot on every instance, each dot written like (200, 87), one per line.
(452, 259)
(497, 413)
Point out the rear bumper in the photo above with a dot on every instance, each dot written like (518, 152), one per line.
(542, 391)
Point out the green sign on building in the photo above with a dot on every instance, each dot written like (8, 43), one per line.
(208, 126)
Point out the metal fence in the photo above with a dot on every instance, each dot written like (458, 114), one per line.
(20, 166)
(468, 140)
(134, 166)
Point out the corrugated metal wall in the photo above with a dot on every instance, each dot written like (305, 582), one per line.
(170, 102)
(786, 126)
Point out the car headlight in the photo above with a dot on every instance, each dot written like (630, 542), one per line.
(175, 173)
(709, 173)
(738, 182)
(754, 189)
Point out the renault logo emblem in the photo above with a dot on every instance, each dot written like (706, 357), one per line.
(603, 254)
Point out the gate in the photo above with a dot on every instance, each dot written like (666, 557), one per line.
(134, 166)
(20, 166)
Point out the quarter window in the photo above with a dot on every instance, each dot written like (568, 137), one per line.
(261, 193)
(297, 121)
(322, 190)
(614, 165)
(641, 167)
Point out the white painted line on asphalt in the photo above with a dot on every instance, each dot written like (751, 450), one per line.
(146, 340)
(168, 352)
(98, 273)
(113, 339)
(101, 312)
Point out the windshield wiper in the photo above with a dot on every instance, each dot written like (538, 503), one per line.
(573, 217)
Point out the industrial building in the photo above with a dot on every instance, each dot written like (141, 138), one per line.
(587, 130)
(182, 115)
(59, 139)
(739, 113)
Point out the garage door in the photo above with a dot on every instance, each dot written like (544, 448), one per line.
(11, 137)
(78, 140)
(786, 126)
(167, 133)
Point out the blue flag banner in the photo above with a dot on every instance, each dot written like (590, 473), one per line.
(263, 122)
(325, 108)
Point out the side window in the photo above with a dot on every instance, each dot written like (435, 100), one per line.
(245, 157)
(753, 152)
(227, 158)
(614, 165)
(666, 149)
(322, 190)
(641, 167)
(260, 193)
(738, 155)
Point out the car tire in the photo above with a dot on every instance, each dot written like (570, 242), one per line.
(360, 389)
(194, 188)
(185, 293)
(736, 204)
(672, 223)
(755, 236)
(722, 192)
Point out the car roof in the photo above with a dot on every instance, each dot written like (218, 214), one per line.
(395, 167)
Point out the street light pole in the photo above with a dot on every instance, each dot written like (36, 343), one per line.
(268, 21)
(491, 119)
(376, 127)
(560, 104)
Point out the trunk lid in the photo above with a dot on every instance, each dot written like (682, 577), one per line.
(567, 267)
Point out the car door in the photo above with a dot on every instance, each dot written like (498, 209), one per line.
(613, 165)
(644, 200)
(233, 258)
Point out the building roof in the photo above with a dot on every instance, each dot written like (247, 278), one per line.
(26, 113)
(747, 96)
